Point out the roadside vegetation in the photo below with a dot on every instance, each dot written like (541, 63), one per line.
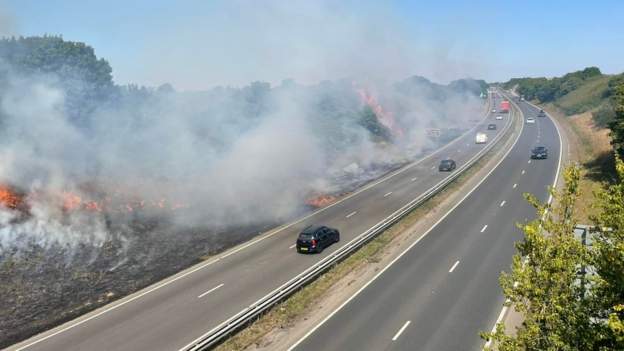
(571, 296)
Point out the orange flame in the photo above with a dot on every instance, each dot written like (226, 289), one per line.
(9, 199)
(386, 118)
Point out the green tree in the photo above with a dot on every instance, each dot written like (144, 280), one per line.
(544, 284)
(608, 289)
(617, 125)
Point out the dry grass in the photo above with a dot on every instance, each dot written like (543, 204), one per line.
(591, 149)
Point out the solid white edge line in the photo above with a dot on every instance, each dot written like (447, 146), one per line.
(351, 214)
(550, 198)
(453, 267)
(209, 291)
(484, 228)
(114, 305)
(396, 336)
(410, 246)
(245, 309)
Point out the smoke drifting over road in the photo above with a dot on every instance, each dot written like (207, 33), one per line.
(216, 159)
(105, 189)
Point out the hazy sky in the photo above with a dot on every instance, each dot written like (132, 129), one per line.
(199, 44)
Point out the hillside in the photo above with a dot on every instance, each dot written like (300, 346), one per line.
(588, 90)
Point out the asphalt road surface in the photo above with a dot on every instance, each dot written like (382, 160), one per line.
(443, 291)
(171, 314)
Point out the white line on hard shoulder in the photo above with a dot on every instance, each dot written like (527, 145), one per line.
(209, 291)
(453, 267)
(351, 214)
(396, 336)
(550, 198)
(414, 243)
(388, 194)
(502, 203)
(484, 228)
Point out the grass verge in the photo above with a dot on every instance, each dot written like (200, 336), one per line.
(293, 309)
(589, 147)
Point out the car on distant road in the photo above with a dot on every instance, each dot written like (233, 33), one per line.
(481, 138)
(539, 152)
(541, 114)
(447, 165)
(315, 238)
(499, 117)
(530, 120)
(491, 126)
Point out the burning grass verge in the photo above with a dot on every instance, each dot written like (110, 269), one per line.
(295, 309)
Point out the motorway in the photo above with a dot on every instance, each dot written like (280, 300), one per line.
(171, 314)
(440, 293)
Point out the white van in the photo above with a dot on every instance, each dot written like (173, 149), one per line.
(481, 138)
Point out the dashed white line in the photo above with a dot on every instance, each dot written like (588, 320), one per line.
(388, 194)
(523, 171)
(414, 179)
(433, 167)
(292, 246)
(502, 203)
(209, 291)
(529, 161)
(484, 228)
(396, 336)
(351, 214)
(453, 267)
(515, 185)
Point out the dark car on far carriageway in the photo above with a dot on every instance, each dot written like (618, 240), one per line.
(491, 126)
(315, 238)
(539, 152)
(447, 166)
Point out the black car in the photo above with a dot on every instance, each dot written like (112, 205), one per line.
(541, 114)
(315, 238)
(491, 126)
(447, 165)
(539, 152)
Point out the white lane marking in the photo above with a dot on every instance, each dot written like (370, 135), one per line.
(502, 203)
(523, 171)
(414, 179)
(351, 214)
(388, 194)
(529, 161)
(484, 228)
(209, 291)
(292, 246)
(550, 198)
(191, 270)
(396, 336)
(384, 269)
(453, 268)
(515, 185)
(433, 167)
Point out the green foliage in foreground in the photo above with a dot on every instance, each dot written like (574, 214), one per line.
(617, 124)
(564, 309)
